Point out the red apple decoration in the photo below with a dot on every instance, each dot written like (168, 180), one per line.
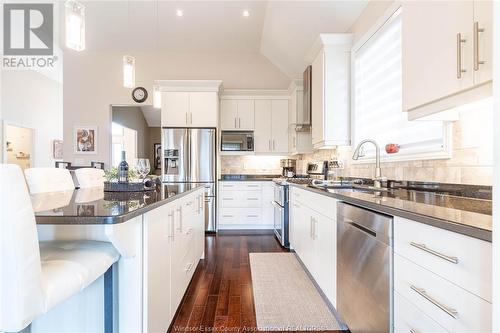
(391, 148)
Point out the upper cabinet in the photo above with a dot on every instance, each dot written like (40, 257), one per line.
(189, 103)
(330, 89)
(446, 54)
(237, 114)
(299, 138)
(271, 126)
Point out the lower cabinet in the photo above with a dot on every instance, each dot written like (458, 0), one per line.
(173, 241)
(245, 205)
(313, 237)
(440, 285)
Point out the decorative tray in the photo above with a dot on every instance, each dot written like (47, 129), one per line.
(124, 187)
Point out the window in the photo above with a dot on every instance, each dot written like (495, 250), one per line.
(377, 104)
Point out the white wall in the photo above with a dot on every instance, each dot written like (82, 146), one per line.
(93, 81)
(31, 99)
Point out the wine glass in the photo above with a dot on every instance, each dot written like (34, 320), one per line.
(142, 167)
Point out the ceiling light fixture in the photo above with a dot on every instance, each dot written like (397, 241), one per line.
(246, 13)
(179, 12)
(75, 25)
(128, 61)
(128, 71)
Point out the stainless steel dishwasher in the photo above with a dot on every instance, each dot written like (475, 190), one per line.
(364, 269)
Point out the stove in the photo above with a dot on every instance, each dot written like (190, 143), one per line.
(295, 180)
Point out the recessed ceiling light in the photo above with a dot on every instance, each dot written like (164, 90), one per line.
(246, 13)
(179, 12)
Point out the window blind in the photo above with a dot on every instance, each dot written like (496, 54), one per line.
(378, 111)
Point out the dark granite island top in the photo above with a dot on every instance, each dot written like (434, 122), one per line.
(94, 206)
(468, 216)
(247, 177)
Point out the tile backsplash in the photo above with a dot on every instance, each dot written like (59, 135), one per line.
(471, 161)
(250, 164)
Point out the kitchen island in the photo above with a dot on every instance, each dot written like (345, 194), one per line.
(159, 235)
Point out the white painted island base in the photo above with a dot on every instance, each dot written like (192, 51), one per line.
(159, 250)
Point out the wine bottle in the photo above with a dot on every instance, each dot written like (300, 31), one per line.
(123, 170)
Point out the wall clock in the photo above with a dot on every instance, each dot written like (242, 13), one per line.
(139, 94)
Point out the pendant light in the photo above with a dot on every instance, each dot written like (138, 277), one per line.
(75, 25)
(156, 88)
(128, 62)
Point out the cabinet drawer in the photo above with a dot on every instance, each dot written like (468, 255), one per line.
(320, 203)
(240, 199)
(408, 318)
(452, 307)
(240, 216)
(240, 186)
(463, 260)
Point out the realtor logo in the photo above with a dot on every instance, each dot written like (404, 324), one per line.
(28, 29)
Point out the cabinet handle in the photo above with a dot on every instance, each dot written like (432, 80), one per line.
(239, 122)
(477, 30)
(294, 143)
(269, 144)
(315, 224)
(180, 219)
(253, 185)
(253, 199)
(188, 267)
(460, 40)
(227, 198)
(187, 123)
(191, 118)
(423, 247)
(235, 123)
(450, 311)
(189, 231)
(172, 222)
(274, 146)
(227, 215)
(252, 215)
(311, 228)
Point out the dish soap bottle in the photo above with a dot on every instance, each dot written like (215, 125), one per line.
(123, 170)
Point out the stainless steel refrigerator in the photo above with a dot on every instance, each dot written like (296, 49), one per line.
(189, 157)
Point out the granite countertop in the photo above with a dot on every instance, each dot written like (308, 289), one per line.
(236, 177)
(94, 206)
(469, 216)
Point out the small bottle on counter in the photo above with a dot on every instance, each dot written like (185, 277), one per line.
(123, 170)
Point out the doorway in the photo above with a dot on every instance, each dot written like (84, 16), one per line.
(19, 145)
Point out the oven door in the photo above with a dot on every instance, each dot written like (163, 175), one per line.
(279, 194)
(279, 222)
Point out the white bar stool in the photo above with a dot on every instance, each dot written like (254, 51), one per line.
(89, 177)
(36, 277)
(49, 180)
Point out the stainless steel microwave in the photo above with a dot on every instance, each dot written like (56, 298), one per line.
(237, 141)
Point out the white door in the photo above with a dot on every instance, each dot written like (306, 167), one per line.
(325, 235)
(203, 109)
(175, 109)
(246, 114)
(429, 46)
(229, 114)
(279, 126)
(158, 313)
(483, 15)
(262, 132)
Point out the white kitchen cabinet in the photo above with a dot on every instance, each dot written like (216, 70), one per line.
(175, 109)
(314, 237)
(331, 91)
(245, 205)
(203, 109)
(271, 126)
(449, 282)
(237, 114)
(439, 70)
(186, 103)
(157, 256)
(173, 245)
(298, 142)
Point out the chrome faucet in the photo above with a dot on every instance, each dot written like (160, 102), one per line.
(377, 180)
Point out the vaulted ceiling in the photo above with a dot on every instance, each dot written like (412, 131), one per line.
(282, 31)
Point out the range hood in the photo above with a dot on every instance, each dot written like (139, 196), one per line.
(304, 113)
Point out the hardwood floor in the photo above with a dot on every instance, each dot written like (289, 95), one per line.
(219, 297)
